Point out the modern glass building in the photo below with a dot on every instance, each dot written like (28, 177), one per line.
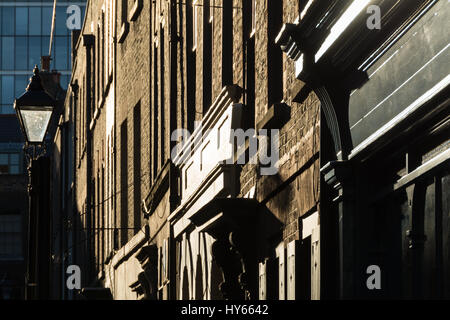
(25, 28)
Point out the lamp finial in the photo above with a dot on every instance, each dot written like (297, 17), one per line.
(35, 81)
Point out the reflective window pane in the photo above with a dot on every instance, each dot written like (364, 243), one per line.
(7, 53)
(61, 50)
(45, 46)
(34, 28)
(61, 19)
(14, 170)
(65, 81)
(14, 159)
(3, 158)
(21, 53)
(69, 50)
(7, 21)
(21, 83)
(21, 21)
(34, 52)
(7, 109)
(47, 13)
(7, 89)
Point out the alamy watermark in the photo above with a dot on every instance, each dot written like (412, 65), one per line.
(73, 21)
(374, 20)
(374, 280)
(263, 148)
(74, 279)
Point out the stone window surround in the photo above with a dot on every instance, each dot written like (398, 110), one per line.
(133, 15)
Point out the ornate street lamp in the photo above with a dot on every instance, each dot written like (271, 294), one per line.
(34, 110)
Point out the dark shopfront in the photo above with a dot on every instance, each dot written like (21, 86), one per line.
(404, 201)
(399, 123)
(385, 188)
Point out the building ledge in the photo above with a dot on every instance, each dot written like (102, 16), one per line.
(219, 183)
(124, 30)
(276, 117)
(228, 95)
(136, 10)
(130, 248)
(222, 215)
(158, 190)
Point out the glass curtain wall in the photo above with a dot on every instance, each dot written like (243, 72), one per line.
(25, 28)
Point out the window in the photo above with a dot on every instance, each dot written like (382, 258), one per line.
(124, 182)
(82, 118)
(253, 16)
(124, 26)
(35, 17)
(96, 67)
(154, 18)
(20, 83)
(163, 263)
(194, 24)
(155, 111)
(7, 21)
(6, 94)
(212, 5)
(124, 11)
(227, 43)
(61, 53)
(137, 167)
(191, 65)
(10, 236)
(7, 54)
(207, 57)
(249, 81)
(21, 21)
(110, 42)
(162, 118)
(102, 39)
(35, 50)
(80, 124)
(275, 55)
(9, 163)
(21, 50)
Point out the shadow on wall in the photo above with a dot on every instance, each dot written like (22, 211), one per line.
(13, 221)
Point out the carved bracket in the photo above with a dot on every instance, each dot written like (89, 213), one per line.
(231, 221)
(148, 279)
(230, 263)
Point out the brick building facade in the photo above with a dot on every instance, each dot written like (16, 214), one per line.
(143, 70)
(209, 144)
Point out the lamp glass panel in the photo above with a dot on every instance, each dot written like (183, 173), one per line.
(36, 123)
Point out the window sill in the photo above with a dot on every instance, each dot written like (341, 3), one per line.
(276, 117)
(94, 120)
(124, 32)
(106, 92)
(100, 104)
(136, 10)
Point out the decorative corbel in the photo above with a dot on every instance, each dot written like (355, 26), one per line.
(148, 279)
(230, 264)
